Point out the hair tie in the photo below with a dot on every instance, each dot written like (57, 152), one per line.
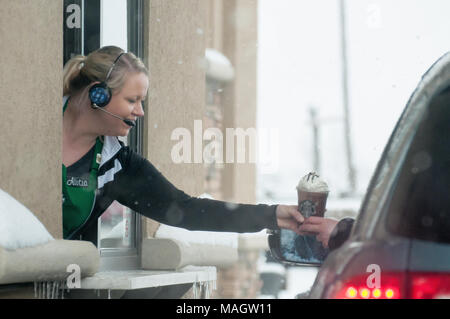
(82, 62)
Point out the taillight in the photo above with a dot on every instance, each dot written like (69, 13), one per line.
(390, 287)
(394, 285)
(430, 285)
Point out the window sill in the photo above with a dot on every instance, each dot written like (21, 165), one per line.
(139, 279)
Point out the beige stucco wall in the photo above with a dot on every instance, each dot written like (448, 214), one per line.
(214, 34)
(30, 106)
(175, 47)
(240, 36)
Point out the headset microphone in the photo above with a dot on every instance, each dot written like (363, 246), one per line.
(127, 122)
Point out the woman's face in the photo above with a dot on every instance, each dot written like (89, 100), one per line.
(126, 103)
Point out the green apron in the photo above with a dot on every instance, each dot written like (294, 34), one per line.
(78, 202)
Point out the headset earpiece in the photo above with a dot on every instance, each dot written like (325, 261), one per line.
(100, 94)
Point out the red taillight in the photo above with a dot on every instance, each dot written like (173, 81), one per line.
(358, 288)
(430, 286)
(393, 285)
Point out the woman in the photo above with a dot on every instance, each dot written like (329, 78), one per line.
(103, 96)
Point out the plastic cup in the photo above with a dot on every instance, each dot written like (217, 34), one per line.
(312, 203)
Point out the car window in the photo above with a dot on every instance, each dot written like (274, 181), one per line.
(420, 204)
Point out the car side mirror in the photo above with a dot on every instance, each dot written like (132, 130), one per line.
(288, 247)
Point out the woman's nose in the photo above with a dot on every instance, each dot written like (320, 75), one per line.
(139, 110)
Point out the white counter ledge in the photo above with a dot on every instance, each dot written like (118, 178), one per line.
(138, 279)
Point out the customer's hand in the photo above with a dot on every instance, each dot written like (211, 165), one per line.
(289, 217)
(321, 227)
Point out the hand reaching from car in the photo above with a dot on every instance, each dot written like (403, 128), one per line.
(321, 227)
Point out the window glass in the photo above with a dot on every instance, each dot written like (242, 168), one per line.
(117, 227)
(81, 27)
(420, 206)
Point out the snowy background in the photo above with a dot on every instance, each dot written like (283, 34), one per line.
(390, 44)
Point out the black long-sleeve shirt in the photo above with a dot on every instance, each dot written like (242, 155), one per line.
(134, 182)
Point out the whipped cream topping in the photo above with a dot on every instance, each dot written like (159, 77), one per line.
(313, 183)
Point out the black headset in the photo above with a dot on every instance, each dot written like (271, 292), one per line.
(100, 94)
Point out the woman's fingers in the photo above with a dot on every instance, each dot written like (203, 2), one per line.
(296, 214)
(288, 214)
(289, 224)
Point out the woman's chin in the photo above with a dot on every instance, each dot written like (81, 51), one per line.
(124, 133)
(121, 131)
(118, 133)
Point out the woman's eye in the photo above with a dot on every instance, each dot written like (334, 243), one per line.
(132, 101)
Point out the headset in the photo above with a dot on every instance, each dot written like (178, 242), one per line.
(100, 94)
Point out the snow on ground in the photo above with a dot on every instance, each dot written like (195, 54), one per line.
(298, 280)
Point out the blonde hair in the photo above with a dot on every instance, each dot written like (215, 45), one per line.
(80, 70)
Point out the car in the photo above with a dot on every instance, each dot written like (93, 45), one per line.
(399, 246)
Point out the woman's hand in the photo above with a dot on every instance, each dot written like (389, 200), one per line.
(289, 217)
(319, 226)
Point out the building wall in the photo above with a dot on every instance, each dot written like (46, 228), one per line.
(215, 24)
(175, 48)
(239, 35)
(232, 30)
(30, 106)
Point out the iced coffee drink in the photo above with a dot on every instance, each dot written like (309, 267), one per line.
(312, 195)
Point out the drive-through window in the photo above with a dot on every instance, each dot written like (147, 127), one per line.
(89, 25)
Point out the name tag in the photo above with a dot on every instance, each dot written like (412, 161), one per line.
(77, 182)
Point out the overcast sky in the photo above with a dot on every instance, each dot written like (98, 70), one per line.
(390, 45)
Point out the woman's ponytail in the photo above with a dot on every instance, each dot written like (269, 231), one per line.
(80, 71)
(71, 74)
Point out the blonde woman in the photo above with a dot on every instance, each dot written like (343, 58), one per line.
(103, 96)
